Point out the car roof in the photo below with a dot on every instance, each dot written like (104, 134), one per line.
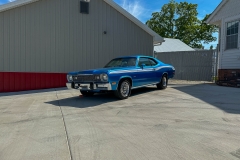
(134, 56)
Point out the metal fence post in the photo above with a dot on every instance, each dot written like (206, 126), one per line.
(217, 59)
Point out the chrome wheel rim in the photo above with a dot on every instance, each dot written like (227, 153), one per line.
(125, 89)
(164, 81)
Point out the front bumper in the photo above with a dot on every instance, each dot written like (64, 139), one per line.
(89, 86)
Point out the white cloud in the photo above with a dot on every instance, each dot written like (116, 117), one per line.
(11, 0)
(133, 7)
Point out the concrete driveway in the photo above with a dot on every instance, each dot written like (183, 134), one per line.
(185, 121)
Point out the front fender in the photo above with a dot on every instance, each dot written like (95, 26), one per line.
(117, 79)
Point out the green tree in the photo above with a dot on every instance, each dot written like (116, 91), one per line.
(179, 20)
(211, 47)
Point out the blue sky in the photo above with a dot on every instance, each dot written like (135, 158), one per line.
(5, 1)
(142, 9)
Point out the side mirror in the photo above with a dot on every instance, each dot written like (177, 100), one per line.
(143, 65)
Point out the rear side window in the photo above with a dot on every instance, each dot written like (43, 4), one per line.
(147, 62)
(153, 63)
(144, 61)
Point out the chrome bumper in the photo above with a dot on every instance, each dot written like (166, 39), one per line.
(88, 86)
(69, 85)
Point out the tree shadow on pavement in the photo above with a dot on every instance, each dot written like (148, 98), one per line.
(224, 98)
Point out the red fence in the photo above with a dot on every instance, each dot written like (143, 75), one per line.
(22, 81)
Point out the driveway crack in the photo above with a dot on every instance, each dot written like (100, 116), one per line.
(65, 128)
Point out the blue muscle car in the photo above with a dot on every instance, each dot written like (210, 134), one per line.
(121, 75)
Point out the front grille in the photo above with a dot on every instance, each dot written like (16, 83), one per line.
(83, 78)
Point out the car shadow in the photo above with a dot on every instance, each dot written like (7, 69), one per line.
(225, 98)
(95, 100)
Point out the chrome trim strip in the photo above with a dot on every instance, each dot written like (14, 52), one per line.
(145, 85)
(87, 86)
(102, 85)
(84, 75)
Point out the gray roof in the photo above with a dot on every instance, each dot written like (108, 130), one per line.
(172, 45)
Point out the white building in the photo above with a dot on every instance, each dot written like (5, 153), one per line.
(227, 17)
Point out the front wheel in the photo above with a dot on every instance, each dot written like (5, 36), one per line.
(164, 82)
(124, 90)
(86, 93)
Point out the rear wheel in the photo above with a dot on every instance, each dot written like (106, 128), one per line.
(124, 90)
(164, 82)
(86, 93)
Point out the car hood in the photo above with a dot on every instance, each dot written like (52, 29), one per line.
(100, 70)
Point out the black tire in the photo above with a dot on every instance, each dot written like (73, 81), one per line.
(124, 90)
(86, 93)
(164, 82)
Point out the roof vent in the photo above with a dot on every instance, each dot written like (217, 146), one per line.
(84, 7)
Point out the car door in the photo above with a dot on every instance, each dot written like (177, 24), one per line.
(154, 77)
(146, 72)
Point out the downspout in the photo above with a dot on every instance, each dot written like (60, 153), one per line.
(157, 44)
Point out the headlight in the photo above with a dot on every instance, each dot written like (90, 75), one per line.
(69, 78)
(104, 77)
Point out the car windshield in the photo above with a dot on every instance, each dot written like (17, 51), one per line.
(122, 62)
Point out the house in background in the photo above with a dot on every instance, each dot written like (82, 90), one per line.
(227, 17)
(42, 40)
(172, 45)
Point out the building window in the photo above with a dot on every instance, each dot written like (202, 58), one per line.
(84, 7)
(232, 35)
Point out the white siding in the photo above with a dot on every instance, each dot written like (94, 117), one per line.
(231, 8)
(229, 59)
